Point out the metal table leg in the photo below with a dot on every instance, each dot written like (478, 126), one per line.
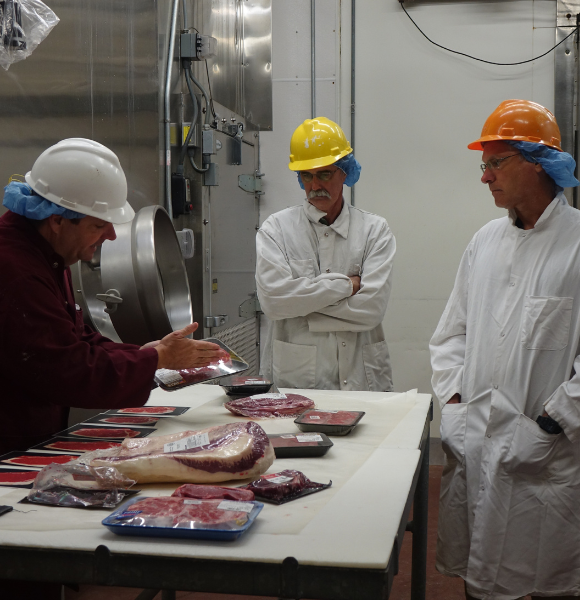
(420, 513)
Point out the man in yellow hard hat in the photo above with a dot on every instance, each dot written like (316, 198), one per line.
(324, 275)
(506, 371)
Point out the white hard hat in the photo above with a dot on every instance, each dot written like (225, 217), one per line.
(84, 176)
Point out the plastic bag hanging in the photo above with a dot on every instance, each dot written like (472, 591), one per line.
(23, 25)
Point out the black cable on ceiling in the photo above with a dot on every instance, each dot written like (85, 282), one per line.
(489, 62)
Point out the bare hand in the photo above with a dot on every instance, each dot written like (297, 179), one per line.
(176, 351)
(355, 283)
(455, 399)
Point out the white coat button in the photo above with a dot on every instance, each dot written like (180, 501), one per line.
(482, 488)
(328, 270)
(512, 284)
(344, 343)
(344, 382)
(495, 387)
(489, 435)
(502, 334)
(326, 234)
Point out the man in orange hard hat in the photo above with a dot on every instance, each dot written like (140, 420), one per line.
(506, 371)
(323, 275)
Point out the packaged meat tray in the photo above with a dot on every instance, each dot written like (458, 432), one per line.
(122, 420)
(35, 460)
(331, 422)
(300, 445)
(76, 446)
(168, 516)
(268, 406)
(284, 486)
(103, 432)
(245, 385)
(148, 411)
(228, 364)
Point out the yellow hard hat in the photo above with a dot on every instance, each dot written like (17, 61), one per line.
(317, 143)
(520, 120)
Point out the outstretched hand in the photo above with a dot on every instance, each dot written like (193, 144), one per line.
(177, 351)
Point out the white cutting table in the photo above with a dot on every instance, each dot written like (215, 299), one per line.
(341, 543)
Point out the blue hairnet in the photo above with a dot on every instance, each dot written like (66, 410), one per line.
(558, 165)
(348, 165)
(22, 200)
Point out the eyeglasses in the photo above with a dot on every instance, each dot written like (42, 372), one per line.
(494, 163)
(307, 177)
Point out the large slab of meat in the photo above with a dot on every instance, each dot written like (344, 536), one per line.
(221, 453)
(212, 492)
(264, 406)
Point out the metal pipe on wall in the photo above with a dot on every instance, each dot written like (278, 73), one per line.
(313, 58)
(166, 108)
(352, 83)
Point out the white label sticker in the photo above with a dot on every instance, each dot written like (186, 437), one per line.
(314, 437)
(269, 396)
(278, 478)
(326, 411)
(168, 376)
(233, 505)
(314, 417)
(288, 436)
(193, 441)
(190, 501)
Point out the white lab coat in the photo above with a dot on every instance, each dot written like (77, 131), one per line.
(509, 520)
(319, 335)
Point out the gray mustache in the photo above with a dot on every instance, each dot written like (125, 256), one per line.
(318, 193)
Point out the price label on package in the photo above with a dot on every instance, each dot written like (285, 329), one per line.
(268, 397)
(313, 437)
(314, 417)
(246, 507)
(190, 501)
(168, 376)
(193, 441)
(278, 478)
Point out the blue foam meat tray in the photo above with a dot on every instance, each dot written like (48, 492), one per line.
(223, 535)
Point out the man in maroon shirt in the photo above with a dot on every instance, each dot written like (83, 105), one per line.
(49, 359)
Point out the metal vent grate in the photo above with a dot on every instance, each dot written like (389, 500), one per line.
(242, 339)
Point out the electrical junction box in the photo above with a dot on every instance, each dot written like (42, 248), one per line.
(195, 46)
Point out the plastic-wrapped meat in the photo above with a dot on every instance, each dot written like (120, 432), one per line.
(168, 511)
(284, 486)
(264, 406)
(212, 492)
(177, 378)
(331, 417)
(221, 453)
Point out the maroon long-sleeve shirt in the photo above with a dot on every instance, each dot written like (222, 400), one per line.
(49, 359)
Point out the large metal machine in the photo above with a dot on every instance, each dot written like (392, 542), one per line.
(179, 90)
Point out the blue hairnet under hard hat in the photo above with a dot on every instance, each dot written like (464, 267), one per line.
(22, 200)
(558, 165)
(349, 165)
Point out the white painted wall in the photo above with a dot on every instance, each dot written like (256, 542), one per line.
(417, 109)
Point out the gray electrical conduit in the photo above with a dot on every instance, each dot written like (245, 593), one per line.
(166, 115)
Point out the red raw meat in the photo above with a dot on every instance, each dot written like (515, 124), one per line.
(263, 408)
(340, 417)
(150, 410)
(212, 492)
(18, 477)
(104, 432)
(131, 420)
(178, 511)
(272, 486)
(40, 461)
(82, 446)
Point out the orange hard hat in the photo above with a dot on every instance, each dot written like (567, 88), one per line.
(520, 120)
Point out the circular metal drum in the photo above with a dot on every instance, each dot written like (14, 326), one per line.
(143, 282)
